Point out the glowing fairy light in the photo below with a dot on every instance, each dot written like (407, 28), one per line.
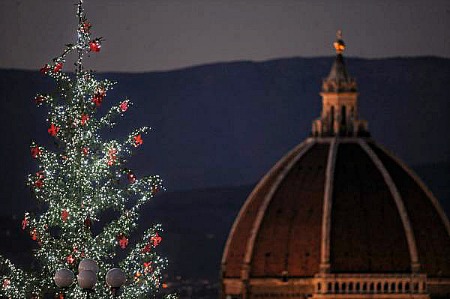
(77, 182)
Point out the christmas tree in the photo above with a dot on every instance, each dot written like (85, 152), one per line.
(79, 179)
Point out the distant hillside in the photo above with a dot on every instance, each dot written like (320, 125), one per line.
(225, 124)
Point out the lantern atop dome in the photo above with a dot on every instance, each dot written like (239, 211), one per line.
(339, 44)
(339, 116)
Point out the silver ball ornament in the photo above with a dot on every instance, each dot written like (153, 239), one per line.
(63, 278)
(88, 264)
(87, 279)
(115, 278)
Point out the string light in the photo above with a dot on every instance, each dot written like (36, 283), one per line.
(79, 181)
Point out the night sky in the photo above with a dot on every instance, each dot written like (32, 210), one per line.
(143, 35)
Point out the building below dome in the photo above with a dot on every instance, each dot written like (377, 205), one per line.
(338, 217)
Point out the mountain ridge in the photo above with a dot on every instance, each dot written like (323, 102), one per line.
(228, 123)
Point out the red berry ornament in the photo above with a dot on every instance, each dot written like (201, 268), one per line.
(147, 248)
(39, 100)
(97, 101)
(112, 156)
(6, 283)
(64, 215)
(44, 70)
(39, 183)
(123, 106)
(70, 259)
(138, 140)
(40, 175)
(131, 178)
(58, 67)
(34, 235)
(35, 152)
(85, 27)
(156, 240)
(147, 267)
(85, 151)
(53, 130)
(25, 223)
(98, 97)
(84, 119)
(95, 45)
(123, 241)
(87, 223)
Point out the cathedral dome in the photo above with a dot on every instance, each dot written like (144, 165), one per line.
(339, 214)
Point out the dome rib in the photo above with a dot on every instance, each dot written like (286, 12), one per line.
(433, 241)
(229, 258)
(268, 198)
(422, 185)
(327, 206)
(412, 245)
(287, 244)
(363, 211)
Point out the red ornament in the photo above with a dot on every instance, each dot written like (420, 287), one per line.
(34, 235)
(101, 92)
(35, 151)
(85, 27)
(6, 283)
(25, 223)
(45, 69)
(53, 130)
(87, 222)
(138, 140)
(147, 248)
(85, 151)
(123, 241)
(58, 67)
(131, 178)
(97, 100)
(112, 153)
(98, 97)
(40, 174)
(123, 106)
(70, 259)
(64, 215)
(84, 119)
(155, 189)
(156, 240)
(147, 267)
(95, 45)
(39, 183)
(39, 100)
